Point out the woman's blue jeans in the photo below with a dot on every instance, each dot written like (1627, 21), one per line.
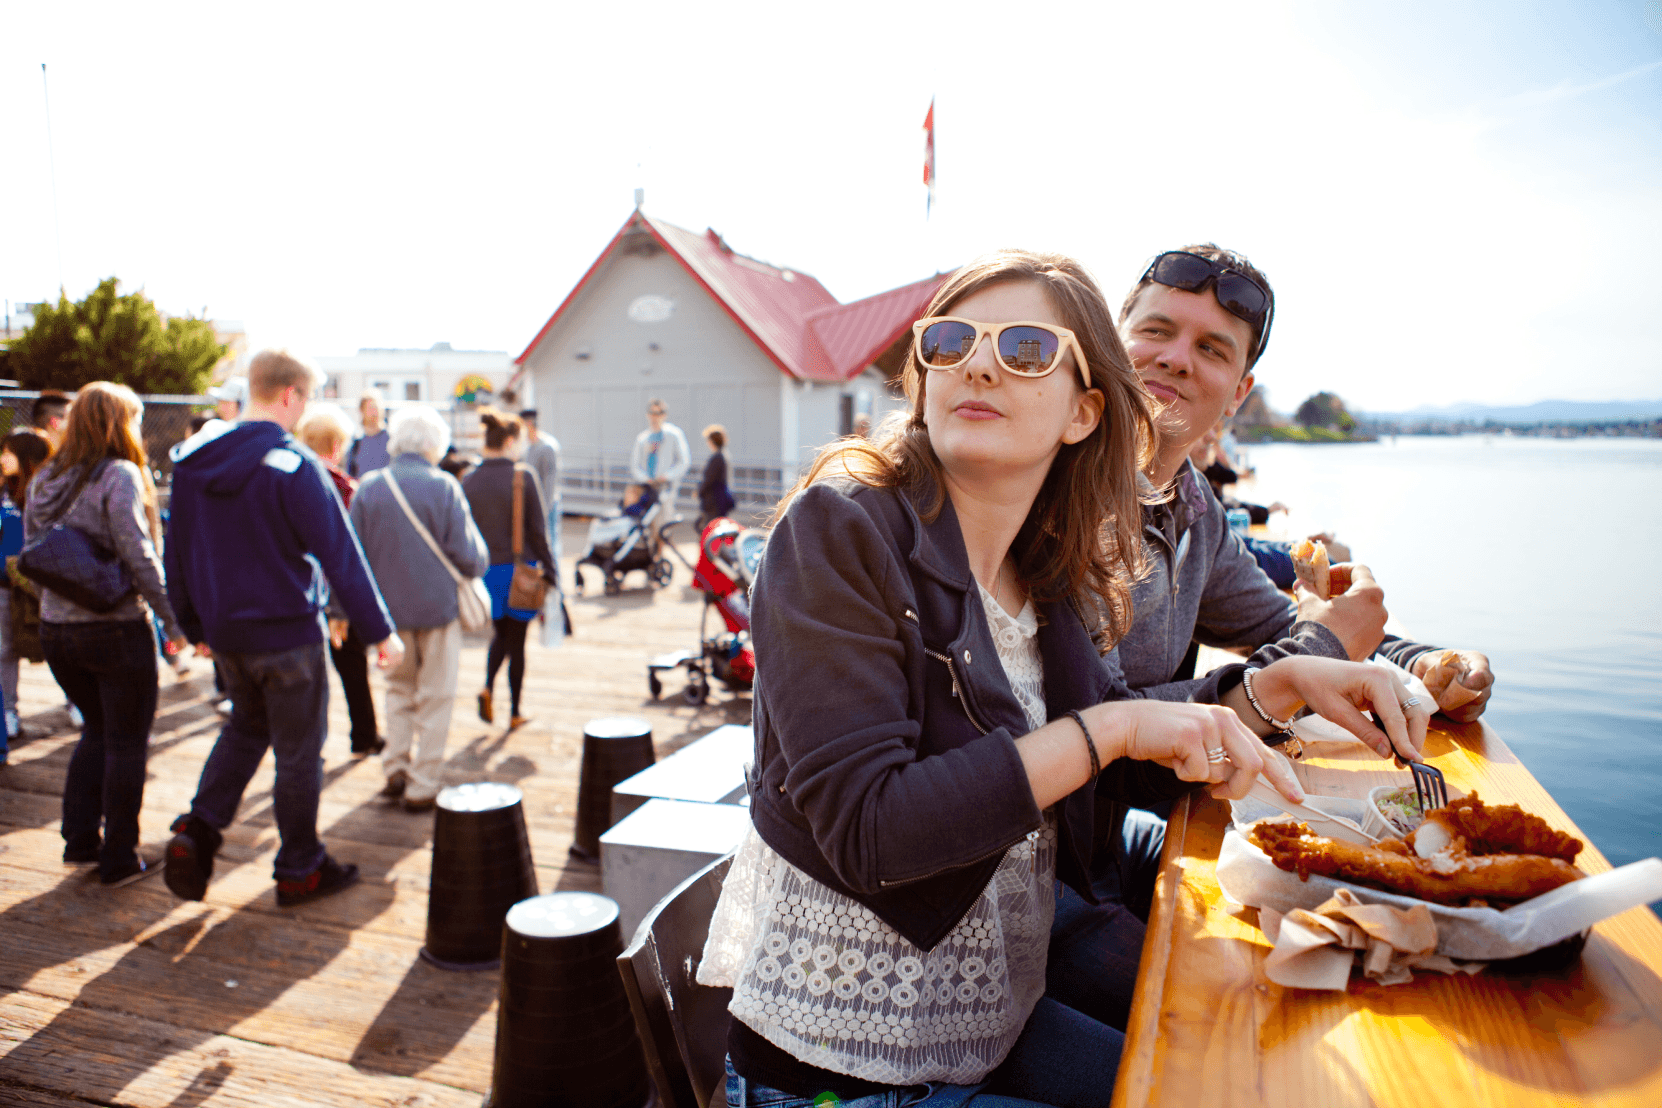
(1062, 1059)
(108, 671)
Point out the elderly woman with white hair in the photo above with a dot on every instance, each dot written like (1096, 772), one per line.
(420, 592)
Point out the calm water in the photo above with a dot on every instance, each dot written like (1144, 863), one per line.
(1544, 554)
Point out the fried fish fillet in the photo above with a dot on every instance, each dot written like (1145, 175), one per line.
(1502, 829)
(1453, 876)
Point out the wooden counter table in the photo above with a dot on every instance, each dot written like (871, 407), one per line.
(1210, 1030)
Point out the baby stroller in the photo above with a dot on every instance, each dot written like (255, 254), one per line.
(727, 560)
(628, 539)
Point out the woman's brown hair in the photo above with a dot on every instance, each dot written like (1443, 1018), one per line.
(1083, 536)
(499, 427)
(31, 449)
(100, 426)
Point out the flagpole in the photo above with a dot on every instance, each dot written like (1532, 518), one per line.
(52, 163)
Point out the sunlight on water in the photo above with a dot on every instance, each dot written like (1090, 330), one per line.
(1546, 555)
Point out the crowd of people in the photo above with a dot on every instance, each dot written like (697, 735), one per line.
(286, 534)
(975, 627)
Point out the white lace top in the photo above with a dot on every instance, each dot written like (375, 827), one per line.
(818, 975)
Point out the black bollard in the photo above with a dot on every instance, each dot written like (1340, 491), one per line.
(614, 749)
(481, 868)
(564, 1033)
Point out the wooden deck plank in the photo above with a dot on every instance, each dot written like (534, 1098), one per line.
(120, 997)
(100, 1057)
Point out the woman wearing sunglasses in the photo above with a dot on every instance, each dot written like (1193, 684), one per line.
(930, 715)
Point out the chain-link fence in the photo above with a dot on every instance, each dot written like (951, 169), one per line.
(167, 421)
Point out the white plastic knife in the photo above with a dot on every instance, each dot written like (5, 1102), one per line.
(1322, 823)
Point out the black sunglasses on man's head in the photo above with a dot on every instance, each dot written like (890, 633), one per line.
(1239, 294)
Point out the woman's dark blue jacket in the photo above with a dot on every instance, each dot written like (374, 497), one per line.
(886, 763)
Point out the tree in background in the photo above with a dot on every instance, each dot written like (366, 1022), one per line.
(1255, 414)
(1325, 410)
(114, 337)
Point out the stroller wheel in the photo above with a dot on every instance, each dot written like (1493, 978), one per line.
(662, 571)
(697, 690)
(655, 685)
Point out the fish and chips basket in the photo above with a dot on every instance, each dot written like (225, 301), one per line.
(1300, 915)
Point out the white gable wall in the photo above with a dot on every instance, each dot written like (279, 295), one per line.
(705, 368)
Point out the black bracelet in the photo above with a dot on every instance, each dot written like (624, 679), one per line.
(1096, 762)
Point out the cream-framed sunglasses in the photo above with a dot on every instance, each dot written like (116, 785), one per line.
(1025, 348)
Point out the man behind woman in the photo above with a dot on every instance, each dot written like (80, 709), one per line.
(99, 483)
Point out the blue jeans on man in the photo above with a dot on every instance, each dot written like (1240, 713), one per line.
(1095, 949)
(280, 701)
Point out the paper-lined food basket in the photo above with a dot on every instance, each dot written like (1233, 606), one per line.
(1247, 876)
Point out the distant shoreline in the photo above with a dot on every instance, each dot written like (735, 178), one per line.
(1372, 431)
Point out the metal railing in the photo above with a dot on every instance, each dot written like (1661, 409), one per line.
(595, 483)
(166, 422)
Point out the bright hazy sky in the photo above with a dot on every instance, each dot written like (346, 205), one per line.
(1455, 201)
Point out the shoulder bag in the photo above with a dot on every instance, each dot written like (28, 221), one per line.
(73, 564)
(473, 603)
(528, 588)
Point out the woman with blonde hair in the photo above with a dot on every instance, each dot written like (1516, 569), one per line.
(935, 720)
(325, 431)
(99, 484)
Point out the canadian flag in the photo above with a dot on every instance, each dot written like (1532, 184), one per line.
(929, 155)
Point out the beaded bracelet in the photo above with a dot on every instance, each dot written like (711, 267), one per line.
(1096, 762)
(1246, 685)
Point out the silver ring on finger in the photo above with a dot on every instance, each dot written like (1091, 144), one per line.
(1216, 756)
(1411, 702)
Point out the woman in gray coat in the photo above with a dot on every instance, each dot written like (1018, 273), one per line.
(420, 594)
(99, 483)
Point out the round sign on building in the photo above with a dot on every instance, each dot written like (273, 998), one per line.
(651, 308)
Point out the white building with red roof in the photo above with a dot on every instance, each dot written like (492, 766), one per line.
(668, 314)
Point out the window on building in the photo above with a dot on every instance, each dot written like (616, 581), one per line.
(412, 390)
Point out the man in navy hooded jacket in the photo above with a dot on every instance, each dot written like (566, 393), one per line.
(257, 537)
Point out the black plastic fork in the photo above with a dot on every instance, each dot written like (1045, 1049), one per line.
(1429, 787)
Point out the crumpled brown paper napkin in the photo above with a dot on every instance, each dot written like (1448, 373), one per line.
(1442, 680)
(1316, 949)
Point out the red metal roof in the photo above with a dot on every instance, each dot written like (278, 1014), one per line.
(849, 336)
(791, 316)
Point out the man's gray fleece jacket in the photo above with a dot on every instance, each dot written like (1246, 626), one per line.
(1204, 585)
